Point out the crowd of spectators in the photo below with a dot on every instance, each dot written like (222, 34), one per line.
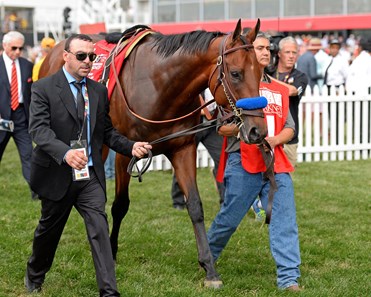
(339, 61)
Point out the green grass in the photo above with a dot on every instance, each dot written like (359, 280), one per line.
(157, 251)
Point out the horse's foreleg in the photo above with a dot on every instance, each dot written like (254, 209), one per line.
(184, 163)
(121, 203)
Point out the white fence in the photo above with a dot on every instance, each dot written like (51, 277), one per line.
(332, 127)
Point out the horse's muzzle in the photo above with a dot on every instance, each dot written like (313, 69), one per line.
(252, 135)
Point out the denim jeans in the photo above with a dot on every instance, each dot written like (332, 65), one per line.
(241, 190)
(109, 165)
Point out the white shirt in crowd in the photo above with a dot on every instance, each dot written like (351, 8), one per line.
(337, 72)
(359, 74)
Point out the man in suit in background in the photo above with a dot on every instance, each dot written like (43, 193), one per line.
(67, 168)
(15, 94)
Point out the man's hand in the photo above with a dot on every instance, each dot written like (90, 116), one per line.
(228, 130)
(140, 149)
(283, 137)
(273, 142)
(76, 159)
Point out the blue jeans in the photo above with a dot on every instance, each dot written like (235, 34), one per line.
(109, 165)
(241, 190)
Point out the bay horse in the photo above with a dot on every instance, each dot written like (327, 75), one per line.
(161, 81)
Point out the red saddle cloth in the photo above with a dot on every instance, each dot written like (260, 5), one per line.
(103, 50)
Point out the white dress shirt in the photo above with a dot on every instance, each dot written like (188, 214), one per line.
(337, 73)
(359, 75)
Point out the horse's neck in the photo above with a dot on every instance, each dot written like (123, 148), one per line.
(190, 77)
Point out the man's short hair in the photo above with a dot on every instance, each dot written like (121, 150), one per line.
(288, 39)
(263, 35)
(76, 36)
(12, 35)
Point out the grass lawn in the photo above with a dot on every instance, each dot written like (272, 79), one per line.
(157, 251)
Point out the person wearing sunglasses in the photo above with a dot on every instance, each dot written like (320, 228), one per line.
(67, 168)
(15, 94)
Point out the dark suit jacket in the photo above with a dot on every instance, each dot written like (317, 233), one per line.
(26, 78)
(54, 123)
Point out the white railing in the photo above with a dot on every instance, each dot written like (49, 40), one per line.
(332, 127)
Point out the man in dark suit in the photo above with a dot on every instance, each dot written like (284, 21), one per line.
(15, 93)
(66, 173)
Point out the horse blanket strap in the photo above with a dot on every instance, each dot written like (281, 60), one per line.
(268, 157)
(205, 110)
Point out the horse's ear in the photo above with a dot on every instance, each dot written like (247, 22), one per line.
(251, 35)
(237, 31)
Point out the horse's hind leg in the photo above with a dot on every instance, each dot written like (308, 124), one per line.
(184, 163)
(121, 203)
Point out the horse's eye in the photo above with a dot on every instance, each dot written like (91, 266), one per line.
(235, 74)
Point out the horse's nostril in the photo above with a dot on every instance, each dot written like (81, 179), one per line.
(254, 133)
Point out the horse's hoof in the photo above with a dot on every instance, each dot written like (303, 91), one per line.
(213, 284)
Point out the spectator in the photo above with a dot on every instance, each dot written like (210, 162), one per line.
(47, 45)
(296, 82)
(322, 62)
(325, 41)
(336, 70)
(346, 53)
(15, 94)
(307, 63)
(358, 80)
(244, 181)
(351, 42)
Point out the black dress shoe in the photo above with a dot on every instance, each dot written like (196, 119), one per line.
(30, 286)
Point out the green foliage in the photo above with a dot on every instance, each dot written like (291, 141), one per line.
(157, 251)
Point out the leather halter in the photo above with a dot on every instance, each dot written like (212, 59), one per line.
(221, 65)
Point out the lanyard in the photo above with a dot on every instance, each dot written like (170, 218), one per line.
(86, 108)
(285, 78)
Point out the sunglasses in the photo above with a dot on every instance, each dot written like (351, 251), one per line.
(82, 56)
(14, 48)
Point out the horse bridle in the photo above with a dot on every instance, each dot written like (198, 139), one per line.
(221, 80)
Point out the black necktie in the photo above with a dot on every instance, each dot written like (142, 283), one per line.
(326, 72)
(80, 107)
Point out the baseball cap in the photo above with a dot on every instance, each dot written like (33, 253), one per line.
(47, 42)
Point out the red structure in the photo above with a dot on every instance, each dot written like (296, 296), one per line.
(298, 24)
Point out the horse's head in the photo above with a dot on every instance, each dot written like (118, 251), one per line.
(235, 83)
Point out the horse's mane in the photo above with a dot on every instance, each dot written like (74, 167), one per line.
(166, 45)
(189, 43)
